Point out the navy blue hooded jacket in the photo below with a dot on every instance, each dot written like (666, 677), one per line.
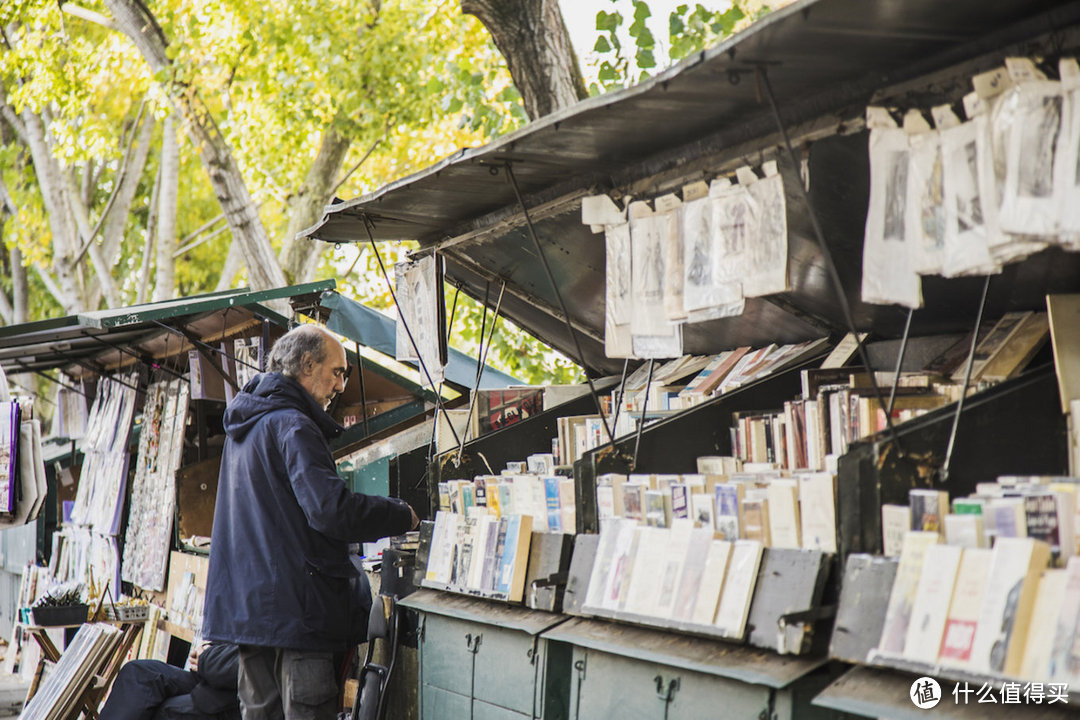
(279, 565)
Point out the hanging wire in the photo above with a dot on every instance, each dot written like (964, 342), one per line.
(435, 423)
(558, 295)
(899, 361)
(967, 379)
(480, 373)
(619, 401)
(644, 408)
(404, 324)
(830, 266)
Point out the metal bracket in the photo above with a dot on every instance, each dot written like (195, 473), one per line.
(473, 642)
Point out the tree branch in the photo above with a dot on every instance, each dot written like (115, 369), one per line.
(88, 15)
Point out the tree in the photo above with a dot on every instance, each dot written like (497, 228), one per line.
(532, 36)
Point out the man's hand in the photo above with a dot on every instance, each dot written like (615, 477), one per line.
(415, 520)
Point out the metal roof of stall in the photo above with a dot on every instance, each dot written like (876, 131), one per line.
(825, 60)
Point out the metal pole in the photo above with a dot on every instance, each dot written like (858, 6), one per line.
(644, 407)
(899, 361)
(967, 378)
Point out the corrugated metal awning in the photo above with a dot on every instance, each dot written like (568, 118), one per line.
(825, 60)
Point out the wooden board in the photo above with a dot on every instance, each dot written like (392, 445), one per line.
(864, 597)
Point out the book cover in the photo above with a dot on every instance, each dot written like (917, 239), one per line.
(671, 566)
(989, 346)
(963, 616)
(693, 567)
(931, 606)
(712, 582)
(680, 501)
(739, 588)
(1017, 352)
(928, 509)
(755, 521)
(729, 500)
(1001, 633)
(1065, 652)
(783, 510)
(605, 503)
(463, 552)
(965, 531)
(491, 579)
(817, 506)
(1064, 319)
(895, 521)
(506, 499)
(515, 557)
(902, 597)
(601, 567)
(1041, 520)
(568, 505)
(622, 559)
(483, 569)
(1009, 517)
(494, 504)
(655, 508)
(553, 504)
(1049, 596)
(702, 511)
(634, 501)
(651, 551)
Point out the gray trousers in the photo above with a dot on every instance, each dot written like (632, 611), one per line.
(278, 684)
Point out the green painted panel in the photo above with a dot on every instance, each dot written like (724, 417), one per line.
(439, 704)
(445, 660)
(370, 479)
(613, 686)
(486, 711)
(507, 667)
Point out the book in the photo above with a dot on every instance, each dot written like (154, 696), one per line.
(493, 564)
(712, 582)
(1049, 597)
(568, 505)
(902, 597)
(1001, 633)
(463, 552)
(618, 580)
(928, 509)
(783, 508)
(553, 504)
(1064, 318)
(991, 345)
(633, 501)
(693, 569)
(1065, 653)
(650, 551)
(515, 557)
(601, 567)
(895, 521)
(671, 565)
(755, 521)
(817, 508)
(483, 532)
(680, 501)
(728, 517)
(1022, 345)
(964, 531)
(964, 608)
(1049, 516)
(930, 609)
(656, 509)
(1008, 516)
(738, 588)
(702, 511)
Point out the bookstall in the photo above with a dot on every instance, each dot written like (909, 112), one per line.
(130, 502)
(888, 184)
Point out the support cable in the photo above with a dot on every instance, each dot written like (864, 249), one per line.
(619, 401)
(830, 266)
(900, 361)
(558, 296)
(401, 316)
(435, 422)
(480, 373)
(644, 408)
(967, 379)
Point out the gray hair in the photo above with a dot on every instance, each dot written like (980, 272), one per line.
(305, 343)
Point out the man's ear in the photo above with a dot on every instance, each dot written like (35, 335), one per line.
(307, 364)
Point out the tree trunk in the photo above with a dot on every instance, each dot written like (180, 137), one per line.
(165, 277)
(532, 36)
(300, 257)
(57, 206)
(135, 20)
(112, 231)
(230, 268)
(20, 293)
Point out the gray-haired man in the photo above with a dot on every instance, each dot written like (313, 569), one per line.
(279, 568)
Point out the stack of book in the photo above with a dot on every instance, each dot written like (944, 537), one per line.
(1002, 611)
(681, 574)
(1043, 507)
(769, 506)
(533, 490)
(482, 554)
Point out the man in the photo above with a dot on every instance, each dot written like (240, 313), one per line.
(146, 689)
(278, 583)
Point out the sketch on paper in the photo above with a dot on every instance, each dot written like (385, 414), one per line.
(416, 286)
(1039, 137)
(895, 194)
(768, 249)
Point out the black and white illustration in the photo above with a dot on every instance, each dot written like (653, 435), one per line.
(768, 250)
(618, 299)
(1032, 132)
(925, 220)
(416, 287)
(968, 226)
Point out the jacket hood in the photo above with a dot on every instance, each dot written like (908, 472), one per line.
(271, 392)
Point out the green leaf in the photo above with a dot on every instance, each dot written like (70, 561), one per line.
(645, 59)
(602, 45)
